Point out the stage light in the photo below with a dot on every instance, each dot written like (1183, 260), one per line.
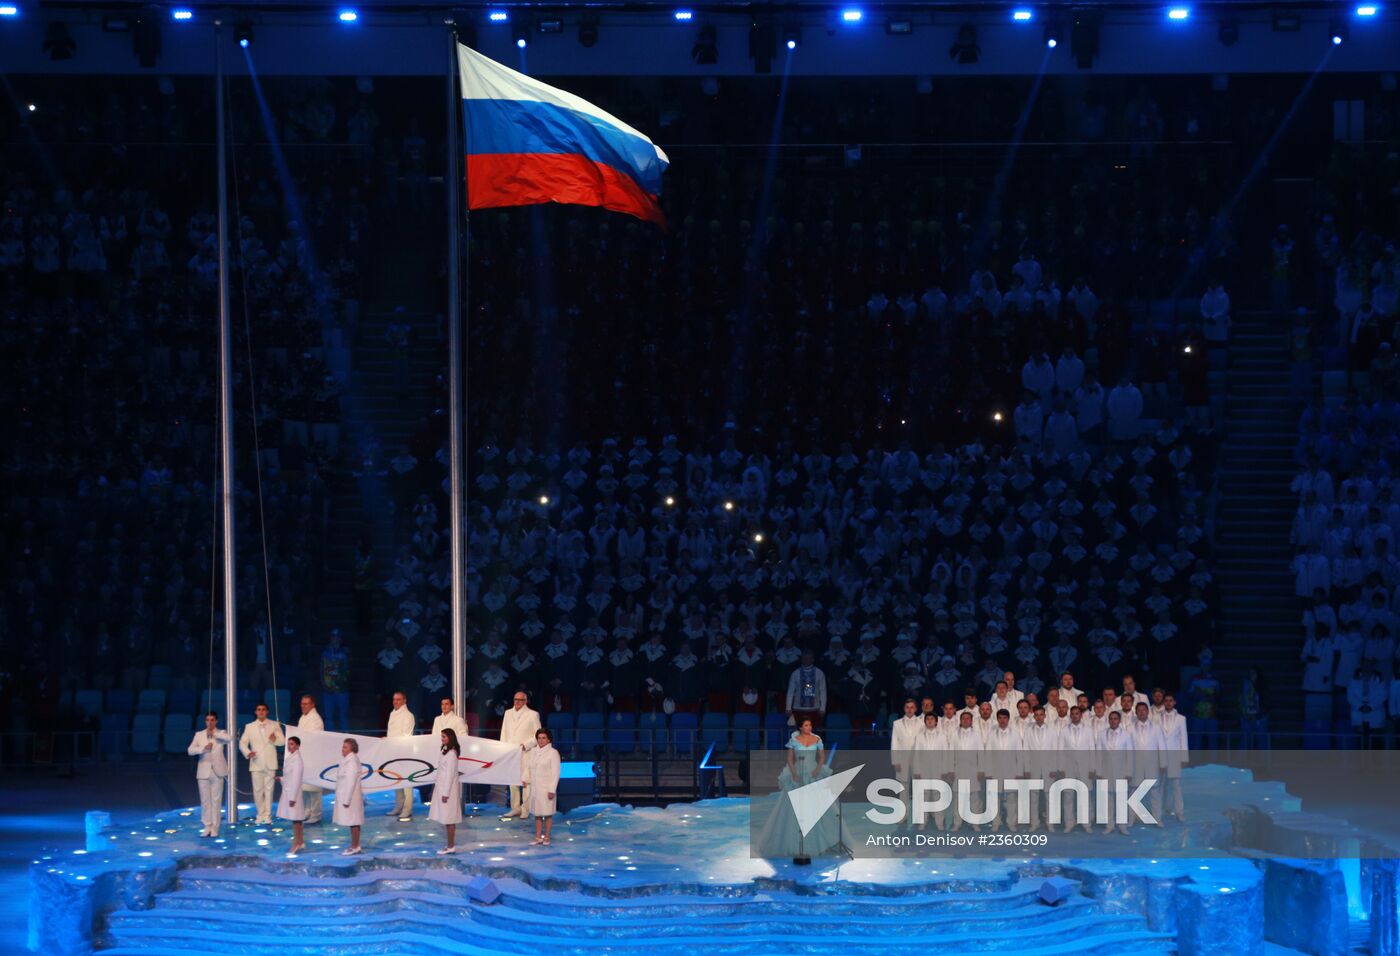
(729, 506)
(1023, 15)
(791, 38)
(685, 16)
(997, 416)
(31, 107)
(1339, 32)
(181, 14)
(1054, 34)
(544, 499)
(1368, 10)
(347, 16)
(965, 49)
(705, 51)
(522, 37)
(758, 538)
(1229, 32)
(1178, 13)
(243, 32)
(498, 16)
(9, 10)
(852, 15)
(899, 28)
(670, 502)
(588, 31)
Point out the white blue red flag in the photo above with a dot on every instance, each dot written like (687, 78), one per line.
(530, 143)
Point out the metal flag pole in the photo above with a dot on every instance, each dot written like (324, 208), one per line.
(456, 375)
(226, 441)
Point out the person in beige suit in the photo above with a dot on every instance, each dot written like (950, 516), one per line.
(208, 745)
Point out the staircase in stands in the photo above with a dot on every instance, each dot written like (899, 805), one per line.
(426, 911)
(1259, 615)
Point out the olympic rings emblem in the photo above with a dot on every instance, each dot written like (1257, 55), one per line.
(394, 776)
(397, 777)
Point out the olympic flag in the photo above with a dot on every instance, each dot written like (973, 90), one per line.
(393, 763)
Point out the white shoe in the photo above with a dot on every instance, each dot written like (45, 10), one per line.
(353, 851)
(447, 851)
(405, 819)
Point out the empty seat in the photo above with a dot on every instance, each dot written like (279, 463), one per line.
(176, 733)
(145, 734)
(88, 703)
(183, 701)
(837, 731)
(213, 699)
(683, 733)
(113, 741)
(622, 732)
(714, 729)
(562, 725)
(151, 701)
(746, 733)
(591, 736)
(775, 730)
(651, 732)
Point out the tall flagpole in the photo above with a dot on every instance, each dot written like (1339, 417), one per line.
(226, 442)
(456, 375)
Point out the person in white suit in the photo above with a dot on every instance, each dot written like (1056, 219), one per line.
(292, 806)
(1173, 724)
(519, 726)
(1117, 763)
(903, 733)
(259, 744)
(1076, 745)
(447, 790)
(311, 720)
(931, 759)
(208, 746)
(350, 795)
(401, 724)
(1149, 755)
(541, 777)
(966, 744)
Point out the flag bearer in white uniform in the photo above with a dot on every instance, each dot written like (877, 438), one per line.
(208, 746)
(259, 744)
(401, 724)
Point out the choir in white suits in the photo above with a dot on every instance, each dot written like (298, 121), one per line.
(208, 745)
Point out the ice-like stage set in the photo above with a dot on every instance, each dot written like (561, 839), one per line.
(681, 879)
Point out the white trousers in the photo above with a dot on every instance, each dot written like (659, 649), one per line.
(1171, 790)
(263, 781)
(211, 802)
(312, 796)
(517, 801)
(403, 801)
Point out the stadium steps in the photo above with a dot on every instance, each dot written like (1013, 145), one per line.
(427, 911)
(1259, 624)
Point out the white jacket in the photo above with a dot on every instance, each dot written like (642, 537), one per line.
(520, 726)
(212, 763)
(453, 720)
(259, 744)
(905, 733)
(401, 722)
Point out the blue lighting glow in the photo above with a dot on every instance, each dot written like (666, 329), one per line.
(181, 14)
(498, 16)
(9, 10)
(1336, 40)
(1367, 10)
(520, 42)
(1051, 42)
(243, 43)
(1178, 13)
(685, 15)
(792, 44)
(852, 15)
(1023, 15)
(347, 16)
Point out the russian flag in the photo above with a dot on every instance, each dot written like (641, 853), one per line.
(530, 143)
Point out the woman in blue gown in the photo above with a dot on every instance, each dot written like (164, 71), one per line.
(806, 763)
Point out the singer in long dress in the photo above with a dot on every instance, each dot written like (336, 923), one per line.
(806, 763)
(349, 795)
(447, 790)
(541, 776)
(292, 806)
